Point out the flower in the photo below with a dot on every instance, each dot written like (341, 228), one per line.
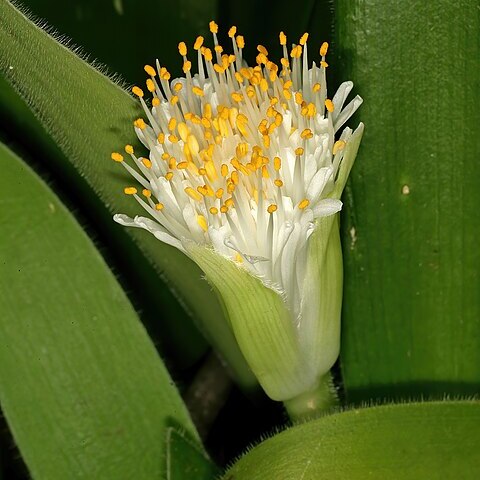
(244, 163)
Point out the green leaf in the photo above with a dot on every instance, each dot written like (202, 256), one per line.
(411, 441)
(411, 305)
(185, 460)
(89, 116)
(81, 385)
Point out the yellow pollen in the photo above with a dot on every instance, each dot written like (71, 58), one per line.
(156, 102)
(304, 204)
(329, 105)
(174, 100)
(277, 163)
(198, 43)
(306, 134)
(182, 165)
(208, 55)
(234, 178)
(299, 151)
(278, 182)
(164, 74)
(213, 210)
(265, 173)
(296, 51)
(147, 162)
(283, 38)
(240, 41)
(232, 31)
(323, 64)
(303, 39)
(316, 87)
(150, 70)
(129, 149)
(193, 194)
(182, 48)
(213, 27)
(218, 48)
(224, 209)
(172, 124)
(117, 157)
(159, 206)
(165, 156)
(172, 163)
(202, 171)
(229, 202)
(150, 85)
(198, 91)
(324, 49)
(224, 170)
(237, 97)
(219, 193)
(129, 190)
(177, 87)
(161, 137)
(272, 208)
(262, 49)
(339, 145)
(202, 222)
(169, 175)
(146, 193)
(187, 66)
(140, 123)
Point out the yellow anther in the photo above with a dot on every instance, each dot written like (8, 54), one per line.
(238, 77)
(224, 209)
(173, 138)
(218, 48)
(172, 123)
(169, 175)
(146, 192)
(237, 97)
(272, 208)
(329, 105)
(219, 193)
(278, 182)
(198, 91)
(299, 151)
(316, 87)
(229, 202)
(240, 41)
(277, 163)
(198, 43)
(265, 173)
(339, 145)
(202, 222)
(161, 138)
(283, 38)
(117, 157)
(324, 49)
(129, 149)
(232, 31)
(164, 74)
(287, 94)
(261, 59)
(147, 163)
(177, 87)
(202, 171)
(207, 53)
(183, 130)
(159, 206)
(285, 63)
(213, 210)
(238, 258)
(150, 70)
(213, 27)
(224, 170)
(174, 100)
(192, 143)
(266, 141)
(234, 177)
(182, 165)
(193, 194)
(304, 204)
(303, 39)
(323, 64)
(140, 123)
(296, 51)
(150, 85)
(130, 191)
(156, 102)
(187, 66)
(278, 119)
(172, 163)
(298, 98)
(218, 68)
(262, 50)
(263, 85)
(306, 134)
(165, 156)
(182, 48)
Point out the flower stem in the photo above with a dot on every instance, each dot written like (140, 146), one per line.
(315, 402)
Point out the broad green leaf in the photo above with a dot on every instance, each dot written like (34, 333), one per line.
(411, 228)
(81, 385)
(185, 460)
(89, 116)
(410, 441)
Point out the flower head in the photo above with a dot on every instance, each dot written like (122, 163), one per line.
(243, 160)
